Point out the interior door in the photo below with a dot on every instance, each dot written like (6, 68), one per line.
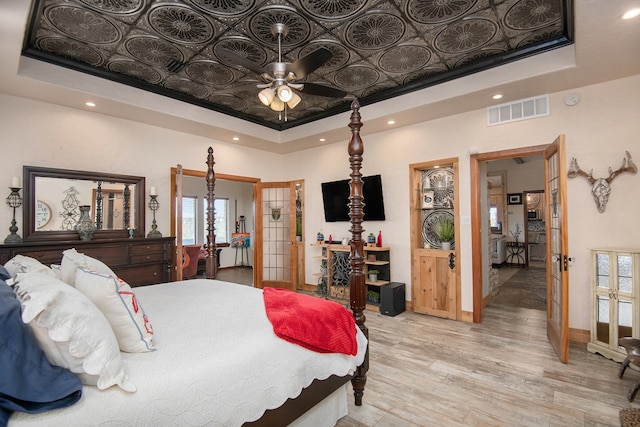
(557, 248)
(276, 232)
(435, 270)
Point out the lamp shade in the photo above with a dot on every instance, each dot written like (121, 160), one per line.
(295, 100)
(277, 105)
(284, 93)
(266, 96)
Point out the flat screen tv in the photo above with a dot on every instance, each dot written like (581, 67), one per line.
(335, 198)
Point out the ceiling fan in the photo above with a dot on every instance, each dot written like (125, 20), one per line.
(280, 77)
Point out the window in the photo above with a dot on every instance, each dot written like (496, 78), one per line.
(189, 220)
(221, 220)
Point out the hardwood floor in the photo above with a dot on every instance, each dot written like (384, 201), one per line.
(427, 371)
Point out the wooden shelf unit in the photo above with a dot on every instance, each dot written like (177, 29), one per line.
(334, 270)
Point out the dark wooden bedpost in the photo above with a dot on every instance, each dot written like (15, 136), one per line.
(357, 286)
(211, 261)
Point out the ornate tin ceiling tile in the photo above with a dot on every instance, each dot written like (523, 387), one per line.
(153, 50)
(437, 12)
(135, 69)
(375, 31)
(115, 7)
(70, 48)
(181, 24)
(83, 25)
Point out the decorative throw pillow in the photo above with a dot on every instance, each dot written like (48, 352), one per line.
(115, 298)
(25, 264)
(72, 259)
(4, 274)
(71, 330)
(30, 383)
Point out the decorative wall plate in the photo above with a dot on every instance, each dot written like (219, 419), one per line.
(427, 228)
(441, 182)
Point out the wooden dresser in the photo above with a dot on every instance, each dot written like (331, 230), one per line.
(137, 261)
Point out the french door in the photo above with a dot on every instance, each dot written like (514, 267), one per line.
(557, 248)
(276, 233)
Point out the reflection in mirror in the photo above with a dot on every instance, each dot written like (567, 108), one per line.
(109, 203)
(53, 197)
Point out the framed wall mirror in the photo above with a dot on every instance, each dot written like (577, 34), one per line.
(52, 198)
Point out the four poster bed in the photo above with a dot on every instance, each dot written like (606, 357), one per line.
(203, 371)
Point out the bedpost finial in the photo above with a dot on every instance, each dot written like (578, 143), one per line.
(355, 104)
(210, 150)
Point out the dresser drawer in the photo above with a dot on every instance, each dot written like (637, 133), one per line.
(143, 274)
(146, 248)
(147, 257)
(110, 255)
(46, 257)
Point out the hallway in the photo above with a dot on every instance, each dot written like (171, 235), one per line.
(525, 288)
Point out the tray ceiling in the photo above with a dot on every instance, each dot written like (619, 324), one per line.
(381, 49)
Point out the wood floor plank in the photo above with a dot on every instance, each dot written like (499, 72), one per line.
(433, 372)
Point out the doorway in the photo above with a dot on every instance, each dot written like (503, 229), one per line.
(237, 188)
(480, 221)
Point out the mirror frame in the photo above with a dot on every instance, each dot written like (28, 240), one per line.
(30, 173)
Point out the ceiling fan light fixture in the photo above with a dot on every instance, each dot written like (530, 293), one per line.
(266, 96)
(277, 105)
(284, 93)
(294, 101)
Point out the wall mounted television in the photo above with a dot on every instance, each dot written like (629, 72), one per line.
(335, 198)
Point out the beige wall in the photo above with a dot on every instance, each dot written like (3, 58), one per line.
(598, 129)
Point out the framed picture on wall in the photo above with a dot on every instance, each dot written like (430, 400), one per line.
(514, 199)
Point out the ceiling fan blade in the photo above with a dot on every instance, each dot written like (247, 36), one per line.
(320, 90)
(240, 60)
(237, 89)
(311, 62)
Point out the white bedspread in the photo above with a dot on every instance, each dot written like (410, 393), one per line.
(218, 363)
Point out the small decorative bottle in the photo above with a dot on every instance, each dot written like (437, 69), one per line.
(85, 227)
(379, 242)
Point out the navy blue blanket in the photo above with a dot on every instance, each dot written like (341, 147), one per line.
(28, 382)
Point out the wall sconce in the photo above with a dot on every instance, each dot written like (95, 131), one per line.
(154, 205)
(14, 200)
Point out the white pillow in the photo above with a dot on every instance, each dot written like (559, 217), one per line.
(79, 336)
(115, 298)
(72, 259)
(25, 264)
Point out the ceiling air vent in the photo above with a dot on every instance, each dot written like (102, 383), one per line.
(523, 109)
(175, 66)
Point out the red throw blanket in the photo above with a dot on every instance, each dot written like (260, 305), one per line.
(317, 324)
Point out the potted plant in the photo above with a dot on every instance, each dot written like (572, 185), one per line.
(444, 229)
(373, 297)
(320, 237)
(371, 238)
(373, 275)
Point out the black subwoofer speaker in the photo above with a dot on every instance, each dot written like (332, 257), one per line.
(392, 299)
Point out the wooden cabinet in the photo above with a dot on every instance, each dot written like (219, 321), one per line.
(333, 277)
(137, 261)
(614, 300)
(435, 271)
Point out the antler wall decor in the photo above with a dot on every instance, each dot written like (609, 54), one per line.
(601, 187)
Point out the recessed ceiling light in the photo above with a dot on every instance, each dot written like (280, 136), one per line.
(90, 104)
(391, 122)
(497, 96)
(631, 14)
(235, 138)
(322, 140)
